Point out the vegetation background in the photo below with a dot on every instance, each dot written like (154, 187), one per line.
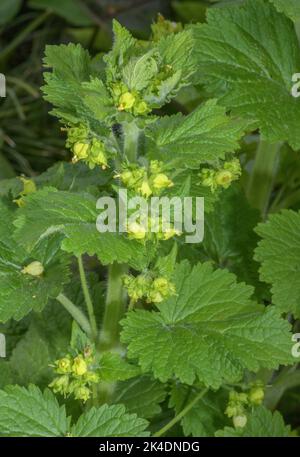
(30, 139)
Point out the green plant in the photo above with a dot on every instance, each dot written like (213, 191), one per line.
(135, 333)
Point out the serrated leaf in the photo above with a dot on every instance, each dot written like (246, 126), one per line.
(240, 59)
(29, 412)
(20, 293)
(109, 421)
(229, 243)
(141, 396)
(112, 367)
(211, 330)
(31, 358)
(69, 82)
(186, 141)
(279, 255)
(289, 7)
(261, 423)
(74, 215)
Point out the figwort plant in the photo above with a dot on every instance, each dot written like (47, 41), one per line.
(136, 331)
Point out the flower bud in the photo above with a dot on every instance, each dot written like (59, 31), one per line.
(63, 365)
(224, 178)
(256, 395)
(145, 189)
(81, 150)
(141, 108)
(79, 366)
(136, 231)
(82, 393)
(34, 269)
(60, 385)
(126, 101)
(240, 421)
(161, 181)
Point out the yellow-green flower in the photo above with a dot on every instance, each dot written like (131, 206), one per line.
(224, 178)
(126, 101)
(256, 395)
(60, 385)
(64, 365)
(136, 231)
(81, 150)
(34, 269)
(82, 393)
(161, 181)
(240, 421)
(79, 366)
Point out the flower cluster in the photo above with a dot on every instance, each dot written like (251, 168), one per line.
(240, 401)
(86, 147)
(143, 181)
(144, 286)
(223, 177)
(151, 229)
(76, 375)
(130, 101)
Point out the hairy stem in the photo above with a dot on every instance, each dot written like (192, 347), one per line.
(87, 298)
(75, 312)
(180, 415)
(131, 135)
(261, 181)
(114, 308)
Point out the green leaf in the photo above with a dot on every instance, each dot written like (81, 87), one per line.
(186, 141)
(9, 9)
(279, 254)
(74, 215)
(141, 396)
(74, 11)
(123, 42)
(31, 358)
(29, 412)
(240, 59)
(211, 330)
(71, 67)
(261, 423)
(19, 292)
(109, 421)
(229, 243)
(289, 7)
(205, 417)
(165, 264)
(114, 368)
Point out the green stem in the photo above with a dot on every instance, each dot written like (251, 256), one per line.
(114, 308)
(87, 298)
(261, 181)
(180, 415)
(131, 135)
(75, 312)
(23, 35)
